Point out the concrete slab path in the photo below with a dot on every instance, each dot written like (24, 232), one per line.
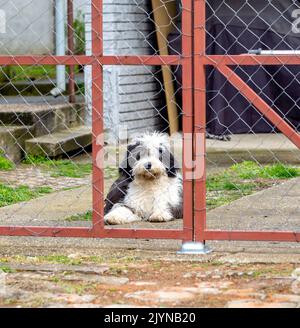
(277, 208)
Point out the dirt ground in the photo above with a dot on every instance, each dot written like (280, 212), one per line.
(124, 279)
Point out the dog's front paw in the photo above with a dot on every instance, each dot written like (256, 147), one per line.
(160, 217)
(113, 219)
(120, 215)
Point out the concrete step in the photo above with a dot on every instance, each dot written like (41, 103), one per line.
(59, 143)
(44, 118)
(12, 141)
(263, 148)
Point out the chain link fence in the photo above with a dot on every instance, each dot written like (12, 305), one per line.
(81, 80)
(252, 98)
(54, 104)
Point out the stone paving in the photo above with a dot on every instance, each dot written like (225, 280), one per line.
(139, 273)
(35, 177)
(126, 282)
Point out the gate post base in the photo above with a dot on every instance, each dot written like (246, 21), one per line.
(194, 248)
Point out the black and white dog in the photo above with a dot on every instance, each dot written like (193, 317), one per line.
(149, 187)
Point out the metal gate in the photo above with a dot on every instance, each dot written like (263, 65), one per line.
(193, 61)
(97, 60)
(226, 64)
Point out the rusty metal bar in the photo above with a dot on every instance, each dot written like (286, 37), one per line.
(187, 117)
(97, 119)
(260, 104)
(281, 236)
(200, 120)
(145, 60)
(78, 232)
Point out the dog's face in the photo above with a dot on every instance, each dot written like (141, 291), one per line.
(149, 158)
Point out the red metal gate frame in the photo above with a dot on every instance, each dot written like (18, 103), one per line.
(193, 62)
(97, 60)
(222, 63)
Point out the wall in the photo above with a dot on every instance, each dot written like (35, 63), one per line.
(29, 27)
(132, 95)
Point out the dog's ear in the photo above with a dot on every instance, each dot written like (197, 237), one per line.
(125, 167)
(169, 162)
(173, 167)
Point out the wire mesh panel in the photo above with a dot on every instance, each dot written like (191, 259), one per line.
(246, 76)
(45, 141)
(154, 186)
(80, 83)
(121, 118)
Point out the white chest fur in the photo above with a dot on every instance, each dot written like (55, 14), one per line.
(148, 197)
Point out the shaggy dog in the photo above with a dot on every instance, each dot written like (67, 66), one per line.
(149, 187)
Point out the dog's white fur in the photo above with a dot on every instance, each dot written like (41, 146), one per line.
(152, 193)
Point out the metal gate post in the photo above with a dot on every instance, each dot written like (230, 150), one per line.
(97, 118)
(187, 118)
(197, 246)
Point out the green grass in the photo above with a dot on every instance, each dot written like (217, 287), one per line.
(11, 195)
(36, 72)
(5, 164)
(61, 259)
(252, 170)
(60, 168)
(21, 73)
(79, 33)
(81, 217)
(6, 269)
(244, 179)
(68, 168)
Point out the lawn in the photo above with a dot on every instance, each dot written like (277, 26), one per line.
(60, 167)
(244, 179)
(11, 195)
(67, 167)
(33, 73)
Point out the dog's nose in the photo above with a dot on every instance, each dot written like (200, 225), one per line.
(148, 166)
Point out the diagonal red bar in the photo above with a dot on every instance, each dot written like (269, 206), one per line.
(260, 104)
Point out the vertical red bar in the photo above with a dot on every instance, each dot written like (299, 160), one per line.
(187, 118)
(200, 119)
(97, 120)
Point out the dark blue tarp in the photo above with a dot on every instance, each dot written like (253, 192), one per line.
(235, 27)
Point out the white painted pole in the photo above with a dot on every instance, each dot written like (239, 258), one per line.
(88, 68)
(60, 47)
(275, 52)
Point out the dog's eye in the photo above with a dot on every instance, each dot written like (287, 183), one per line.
(160, 150)
(138, 156)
